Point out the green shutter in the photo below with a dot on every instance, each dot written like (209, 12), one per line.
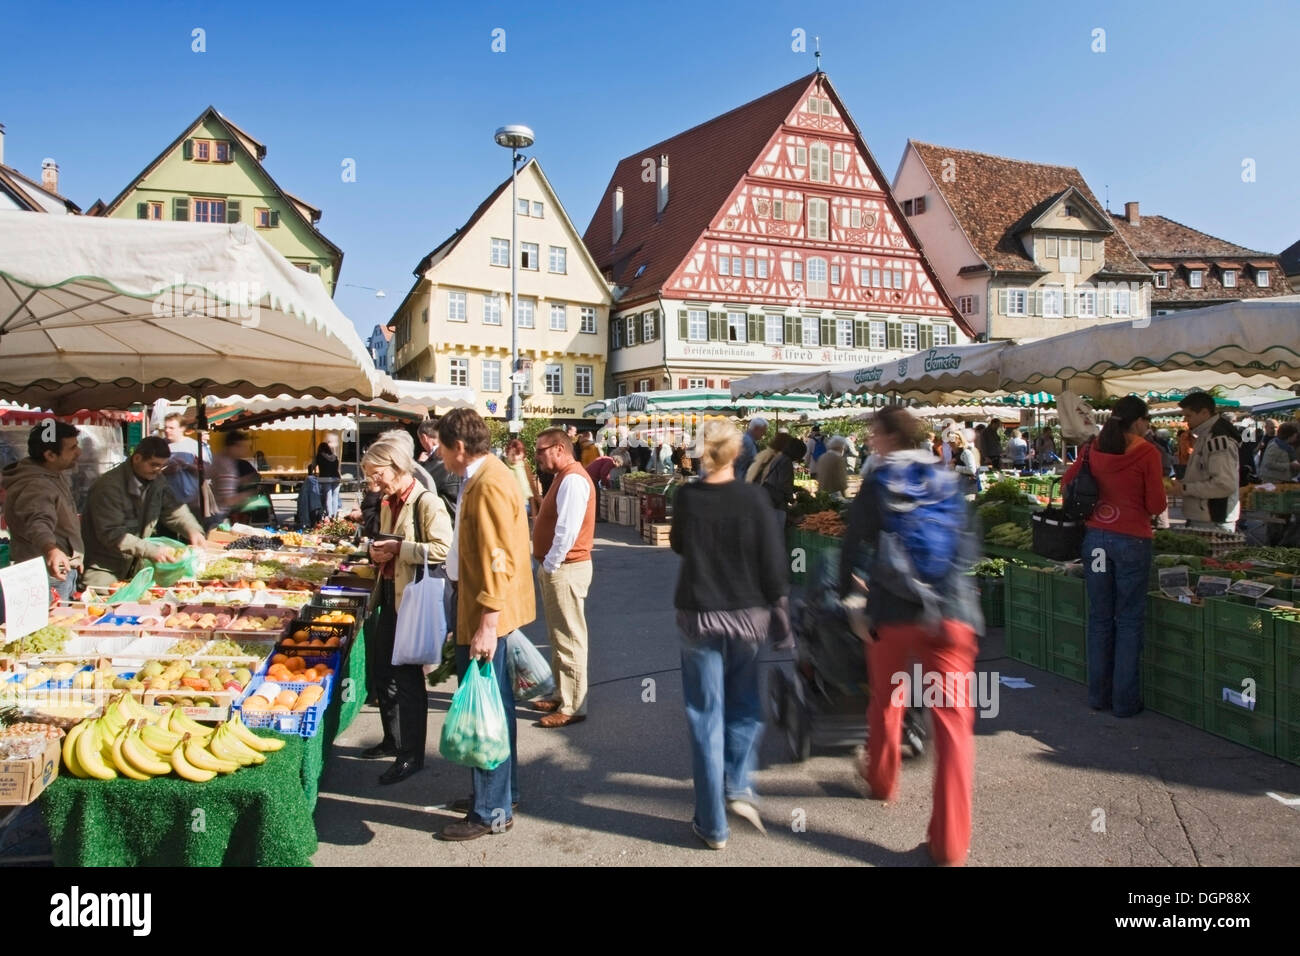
(893, 335)
(793, 332)
(314, 269)
(659, 325)
(829, 338)
(861, 333)
(232, 210)
(613, 341)
(142, 210)
(717, 331)
(683, 329)
(187, 149)
(1002, 301)
(181, 209)
(756, 330)
(925, 337)
(275, 217)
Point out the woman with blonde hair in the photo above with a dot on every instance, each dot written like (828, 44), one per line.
(418, 529)
(725, 610)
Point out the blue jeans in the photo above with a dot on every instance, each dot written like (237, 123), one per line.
(333, 493)
(494, 790)
(1116, 619)
(724, 714)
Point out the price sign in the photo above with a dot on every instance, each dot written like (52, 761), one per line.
(26, 590)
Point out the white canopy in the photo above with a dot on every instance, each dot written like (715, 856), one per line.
(308, 423)
(934, 374)
(1255, 342)
(102, 313)
(423, 394)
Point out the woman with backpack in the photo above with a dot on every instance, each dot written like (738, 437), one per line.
(779, 480)
(1117, 552)
(909, 528)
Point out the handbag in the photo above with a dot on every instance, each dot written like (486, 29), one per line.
(422, 619)
(1082, 493)
(1057, 535)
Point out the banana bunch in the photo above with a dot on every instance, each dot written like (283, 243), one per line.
(131, 741)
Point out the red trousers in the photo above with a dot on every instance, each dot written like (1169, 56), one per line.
(953, 724)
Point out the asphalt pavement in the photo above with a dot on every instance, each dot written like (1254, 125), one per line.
(1055, 783)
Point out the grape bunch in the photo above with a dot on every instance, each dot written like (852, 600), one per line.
(255, 543)
(48, 640)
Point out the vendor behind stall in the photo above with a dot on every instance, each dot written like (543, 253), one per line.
(39, 509)
(125, 507)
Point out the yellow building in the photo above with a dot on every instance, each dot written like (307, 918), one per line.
(453, 327)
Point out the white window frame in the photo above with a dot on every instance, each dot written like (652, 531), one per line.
(561, 310)
(648, 326)
(844, 333)
(642, 385)
(491, 375)
(588, 312)
(737, 327)
(1085, 249)
(778, 210)
(562, 260)
(528, 305)
(457, 307)
(939, 335)
(458, 372)
(749, 267)
(1262, 278)
(773, 329)
(1052, 251)
(724, 265)
(910, 332)
(966, 304)
(836, 272)
(898, 279)
(621, 389)
(1121, 302)
(801, 156)
(736, 266)
(819, 163)
(839, 161)
(1195, 278)
(1086, 303)
(697, 383)
(1162, 279)
(877, 335)
(500, 254)
(816, 284)
(537, 209)
(529, 253)
(553, 378)
(1017, 301)
(522, 207)
(492, 309)
(762, 267)
(1056, 294)
(796, 271)
(579, 372)
(809, 331)
(1230, 278)
(818, 218)
(697, 325)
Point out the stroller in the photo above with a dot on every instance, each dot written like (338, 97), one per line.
(824, 697)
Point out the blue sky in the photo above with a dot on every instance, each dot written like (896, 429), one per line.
(1181, 96)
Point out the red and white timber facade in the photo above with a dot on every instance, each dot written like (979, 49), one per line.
(808, 262)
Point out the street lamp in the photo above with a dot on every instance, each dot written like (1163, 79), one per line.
(514, 138)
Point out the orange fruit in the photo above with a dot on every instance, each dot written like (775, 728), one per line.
(310, 694)
(286, 697)
(333, 641)
(279, 659)
(296, 664)
(287, 642)
(256, 704)
(317, 642)
(279, 709)
(301, 634)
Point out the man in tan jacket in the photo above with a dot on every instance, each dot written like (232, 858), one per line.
(39, 509)
(489, 561)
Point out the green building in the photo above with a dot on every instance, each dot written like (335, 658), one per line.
(213, 172)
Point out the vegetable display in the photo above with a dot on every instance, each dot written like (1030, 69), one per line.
(1010, 535)
(1171, 542)
(829, 523)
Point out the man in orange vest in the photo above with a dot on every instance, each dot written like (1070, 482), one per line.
(562, 537)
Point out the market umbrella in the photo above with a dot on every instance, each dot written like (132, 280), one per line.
(103, 313)
(425, 394)
(1253, 342)
(237, 412)
(815, 381)
(935, 374)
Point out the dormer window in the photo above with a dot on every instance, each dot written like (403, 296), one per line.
(1261, 278)
(1162, 279)
(1195, 278)
(1230, 278)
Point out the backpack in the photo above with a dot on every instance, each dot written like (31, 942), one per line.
(923, 514)
(1082, 494)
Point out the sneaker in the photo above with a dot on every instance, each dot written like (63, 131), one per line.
(747, 812)
(711, 844)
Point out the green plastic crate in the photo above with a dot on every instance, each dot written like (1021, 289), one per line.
(1288, 741)
(1173, 659)
(1067, 597)
(992, 600)
(1165, 612)
(1025, 584)
(1026, 644)
(1241, 630)
(1026, 621)
(1250, 729)
(1287, 710)
(1286, 644)
(1225, 671)
(1173, 695)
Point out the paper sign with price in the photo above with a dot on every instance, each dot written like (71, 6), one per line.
(26, 591)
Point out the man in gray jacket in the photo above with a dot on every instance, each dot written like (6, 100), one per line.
(39, 509)
(1209, 486)
(125, 507)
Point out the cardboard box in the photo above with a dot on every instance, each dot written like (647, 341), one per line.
(21, 781)
(220, 711)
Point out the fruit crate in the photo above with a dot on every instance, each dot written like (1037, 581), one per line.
(304, 722)
(1026, 630)
(1067, 597)
(1250, 729)
(1067, 648)
(1267, 501)
(1177, 695)
(1240, 629)
(1169, 657)
(1227, 679)
(1288, 741)
(1165, 614)
(1286, 643)
(992, 600)
(341, 601)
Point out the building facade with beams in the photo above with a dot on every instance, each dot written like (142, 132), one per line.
(453, 326)
(1024, 249)
(213, 172)
(765, 238)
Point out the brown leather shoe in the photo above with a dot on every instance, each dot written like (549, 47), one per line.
(545, 706)
(466, 829)
(560, 720)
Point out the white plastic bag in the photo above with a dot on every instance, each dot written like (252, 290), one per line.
(421, 621)
(530, 674)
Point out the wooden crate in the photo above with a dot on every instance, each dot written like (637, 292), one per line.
(657, 534)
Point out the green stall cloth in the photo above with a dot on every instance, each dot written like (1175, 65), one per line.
(256, 816)
(349, 697)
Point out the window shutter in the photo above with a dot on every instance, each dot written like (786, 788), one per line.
(142, 210)
(1071, 304)
(683, 383)
(659, 325)
(829, 338)
(1103, 303)
(756, 330)
(275, 217)
(925, 337)
(717, 327)
(793, 331)
(613, 339)
(861, 333)
(232, 210)
(893, 335)
(1002, 301)
(181, 209)
(682, 329)
(230, 151)
(187, 149)
(919, 205)
(725, 383)
(708, 382)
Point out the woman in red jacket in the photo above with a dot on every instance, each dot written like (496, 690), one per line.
(1117, 553)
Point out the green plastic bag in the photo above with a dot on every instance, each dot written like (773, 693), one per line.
(137, 588)
(475, 732)
(167, 573)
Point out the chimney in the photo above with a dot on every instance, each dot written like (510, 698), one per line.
(618, 214)
(663, 184)
(50, 175)
(2, 144)
(1131, 214)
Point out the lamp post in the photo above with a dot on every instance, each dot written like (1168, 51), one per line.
(514, 138)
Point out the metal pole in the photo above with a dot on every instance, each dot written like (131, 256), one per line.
(515, 424)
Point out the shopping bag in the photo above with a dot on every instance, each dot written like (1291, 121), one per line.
(137, 588)
(167, 573)
(421, 621)
(530, 674)
(475, 733)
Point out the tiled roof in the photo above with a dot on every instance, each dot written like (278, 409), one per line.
(25, 184)
(1155, 237)
(994, 198)
(705, 163)
(1290, 258)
